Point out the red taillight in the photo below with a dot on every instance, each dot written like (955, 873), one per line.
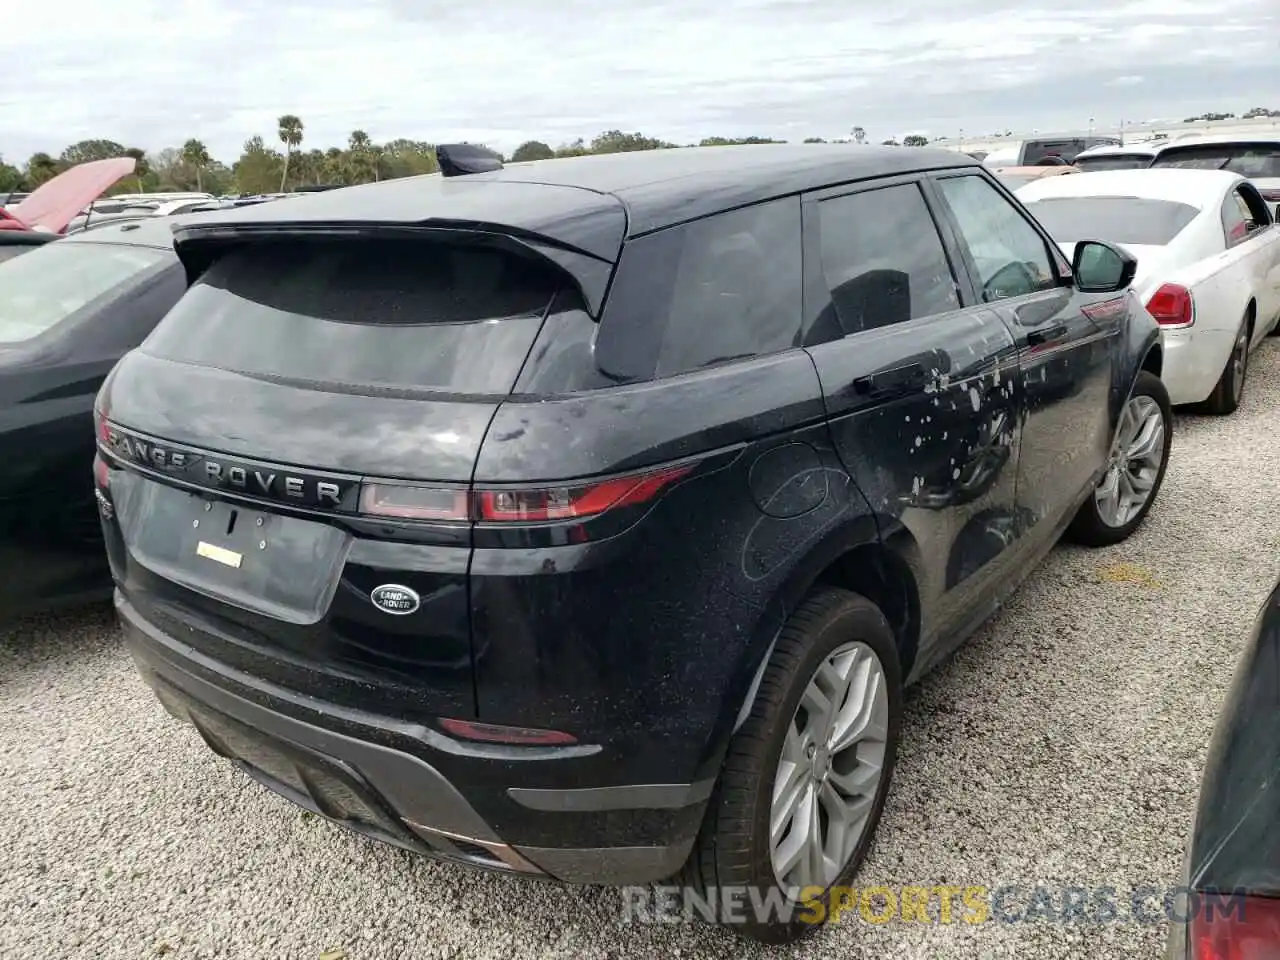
(101, 427)
(1172, 306)
(574, 502)
(1235, 928)
(101, 473)
(498, 733)
(577, 501)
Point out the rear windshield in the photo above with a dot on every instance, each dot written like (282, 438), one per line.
(1067, 149)
(49, 283)
(1114, 161)
(1135, 220)
(379, 313)
(1253, 160)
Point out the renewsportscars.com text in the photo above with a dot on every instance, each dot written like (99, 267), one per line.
(935, 904)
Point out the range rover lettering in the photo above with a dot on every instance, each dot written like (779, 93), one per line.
(590, 515)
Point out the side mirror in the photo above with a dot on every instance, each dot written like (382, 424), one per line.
(1101, 267)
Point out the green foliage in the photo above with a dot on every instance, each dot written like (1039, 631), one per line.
(532, 150)
(10, 177)
(1256, 112)
(814, 140)
(615, 141)
(260, 169)
(914, 140)
(87, 150)
(890, 143)
(40, 168)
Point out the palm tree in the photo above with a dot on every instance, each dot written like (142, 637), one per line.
(365, 156)
(290, 130)
(141, 167)
(196, 155)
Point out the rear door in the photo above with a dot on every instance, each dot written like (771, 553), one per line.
(300, 431)
(1254, 239)
(921, 391)
(1065, 346)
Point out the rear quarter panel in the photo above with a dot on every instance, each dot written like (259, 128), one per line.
(648, 639)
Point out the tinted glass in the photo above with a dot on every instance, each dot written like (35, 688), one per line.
(1116, 219)
(883, 259)
(1235, 218)
(48, 284)
(1249, 160)
(386, 313)
(723, 288)
(1114, 161)
(1010, 255)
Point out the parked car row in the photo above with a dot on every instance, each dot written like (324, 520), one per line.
(585, 521)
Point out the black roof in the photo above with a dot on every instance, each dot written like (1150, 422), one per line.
(593, 202)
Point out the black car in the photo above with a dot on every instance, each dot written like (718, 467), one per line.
(584, 519)
(68, 311)
(1232, 867)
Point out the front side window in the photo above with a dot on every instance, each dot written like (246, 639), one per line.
(711, 291)
(49, 283)
(1011, 257)
(883, 260)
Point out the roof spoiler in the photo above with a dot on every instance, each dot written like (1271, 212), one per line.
(458, 159)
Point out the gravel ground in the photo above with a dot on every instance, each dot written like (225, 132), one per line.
(1062, 745)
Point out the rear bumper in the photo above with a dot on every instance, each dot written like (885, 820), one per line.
(1193, 362)
(383, 778)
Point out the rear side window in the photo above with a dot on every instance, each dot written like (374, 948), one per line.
(1139, 220)
(381, 313)
(719, 289)
(882, 259)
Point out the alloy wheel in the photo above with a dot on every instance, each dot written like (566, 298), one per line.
(830, 769)
(1239, 364)
(1135, 462)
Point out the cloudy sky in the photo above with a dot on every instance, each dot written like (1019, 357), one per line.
(152, 74)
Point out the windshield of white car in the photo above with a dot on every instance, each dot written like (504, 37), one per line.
(1114, 161)
(1136, 220)
(1254, 160)
(47, 285)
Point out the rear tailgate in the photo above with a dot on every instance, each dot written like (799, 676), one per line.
(258, 437)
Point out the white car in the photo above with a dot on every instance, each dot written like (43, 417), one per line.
(1254, 156)
(1208, 251)
(1134, 156)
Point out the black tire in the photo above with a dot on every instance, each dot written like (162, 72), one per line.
(732, 849)
(1229, 389)
(1088, 527)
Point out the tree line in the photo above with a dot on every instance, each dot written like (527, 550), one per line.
(264, 167)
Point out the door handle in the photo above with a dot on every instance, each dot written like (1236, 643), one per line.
(909, 376)
(1036, 338)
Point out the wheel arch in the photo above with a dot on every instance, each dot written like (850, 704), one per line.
(856, 557)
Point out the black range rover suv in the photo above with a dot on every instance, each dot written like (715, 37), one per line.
(585, 518)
